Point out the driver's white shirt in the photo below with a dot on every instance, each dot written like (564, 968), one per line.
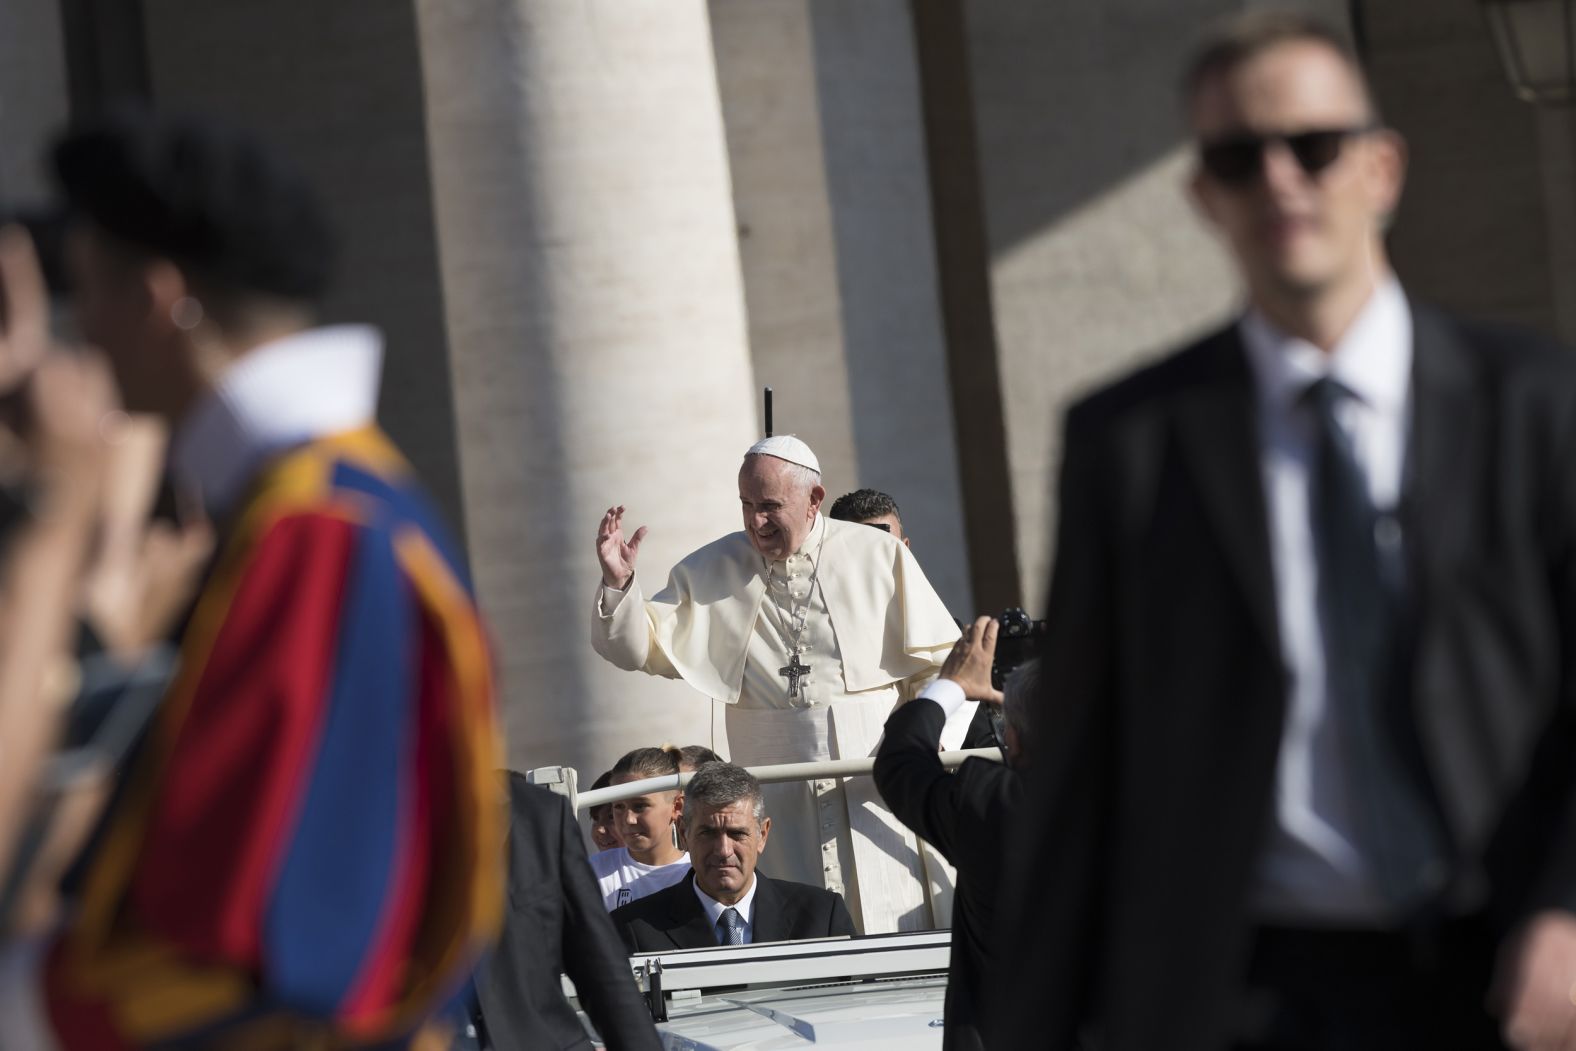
(745, 905)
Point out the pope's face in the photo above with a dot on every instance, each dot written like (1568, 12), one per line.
(1296, 232)
(779, 510)
(725, 844)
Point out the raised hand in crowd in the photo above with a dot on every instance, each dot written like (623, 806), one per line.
(969, 663)
(1535, 987)
(145, 570)
(55, 452)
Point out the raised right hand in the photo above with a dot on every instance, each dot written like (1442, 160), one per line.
(970, 661)
(615, 553)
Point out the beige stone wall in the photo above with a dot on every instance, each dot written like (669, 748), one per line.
(1474, 232)
(1099, 261)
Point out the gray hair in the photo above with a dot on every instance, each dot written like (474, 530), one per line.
(1021, 697)
(802, 477)
(719, 785)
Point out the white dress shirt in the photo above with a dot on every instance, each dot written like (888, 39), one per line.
(1311, 871)
(745, 905)
(309, 385)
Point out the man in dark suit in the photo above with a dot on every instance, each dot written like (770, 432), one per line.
(965, 815)
(1307, 779)
(724, 900)
(556, 924)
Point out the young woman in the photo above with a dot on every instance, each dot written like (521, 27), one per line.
(648, 826)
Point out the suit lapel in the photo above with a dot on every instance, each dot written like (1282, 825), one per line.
(1218, 426)
(1446, 446)
(769, 925)
(688, 927)
(1443, 510)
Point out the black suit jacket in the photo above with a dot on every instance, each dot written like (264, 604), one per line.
(672, 918)
(556, 923)
(965, 816)
(1165, 692)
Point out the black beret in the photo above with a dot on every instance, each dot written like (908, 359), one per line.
(207, 197)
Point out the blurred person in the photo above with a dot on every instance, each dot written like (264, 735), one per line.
(604, 833)
(1311, 623)
(555, 925)
(870, 507)
(308, 849)
(145, 568)
(967, 815)
(809, 631)
(648, 857)
(725, 900)
(52, 459)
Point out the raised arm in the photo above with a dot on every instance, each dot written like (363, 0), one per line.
(908, 771)
(616, 554)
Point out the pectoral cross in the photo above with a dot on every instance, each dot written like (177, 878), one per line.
(795, 671)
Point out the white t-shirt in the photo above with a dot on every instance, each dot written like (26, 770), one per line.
(622, 879)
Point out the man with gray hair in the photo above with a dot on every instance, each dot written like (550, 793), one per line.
(963, 815)
(809, 632)
(725, 900)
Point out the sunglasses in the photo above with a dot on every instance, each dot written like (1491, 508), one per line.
(1237, 160)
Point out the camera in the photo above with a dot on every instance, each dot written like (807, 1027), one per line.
(1018, 640)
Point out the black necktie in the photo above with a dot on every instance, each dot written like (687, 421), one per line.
(1360, 594)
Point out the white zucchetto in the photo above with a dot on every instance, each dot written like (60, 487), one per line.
(786, 447)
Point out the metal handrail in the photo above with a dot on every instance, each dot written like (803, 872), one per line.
(563, 780)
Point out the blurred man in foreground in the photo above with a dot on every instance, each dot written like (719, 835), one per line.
(1309, 780)
(308, 851)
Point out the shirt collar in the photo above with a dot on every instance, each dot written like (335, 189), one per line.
(1372, 359)
(745, 905)
(311, 384)
(811, 544)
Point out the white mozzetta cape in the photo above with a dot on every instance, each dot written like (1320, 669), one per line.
(700, 624)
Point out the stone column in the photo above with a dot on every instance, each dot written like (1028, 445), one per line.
(596, 327)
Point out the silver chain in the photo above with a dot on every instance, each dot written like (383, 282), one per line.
(795, 621)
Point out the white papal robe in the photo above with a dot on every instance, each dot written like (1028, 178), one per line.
(875, 634)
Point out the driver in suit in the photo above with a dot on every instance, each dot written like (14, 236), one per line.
(725, 900)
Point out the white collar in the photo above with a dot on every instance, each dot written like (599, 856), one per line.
(311, 384)
(745, 905)
(1372, 359)
(812, 539)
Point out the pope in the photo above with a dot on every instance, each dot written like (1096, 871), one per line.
(809, 631)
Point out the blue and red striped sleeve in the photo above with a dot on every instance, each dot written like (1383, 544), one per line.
(291, 837)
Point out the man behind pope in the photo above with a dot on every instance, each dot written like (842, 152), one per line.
(810, 631)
